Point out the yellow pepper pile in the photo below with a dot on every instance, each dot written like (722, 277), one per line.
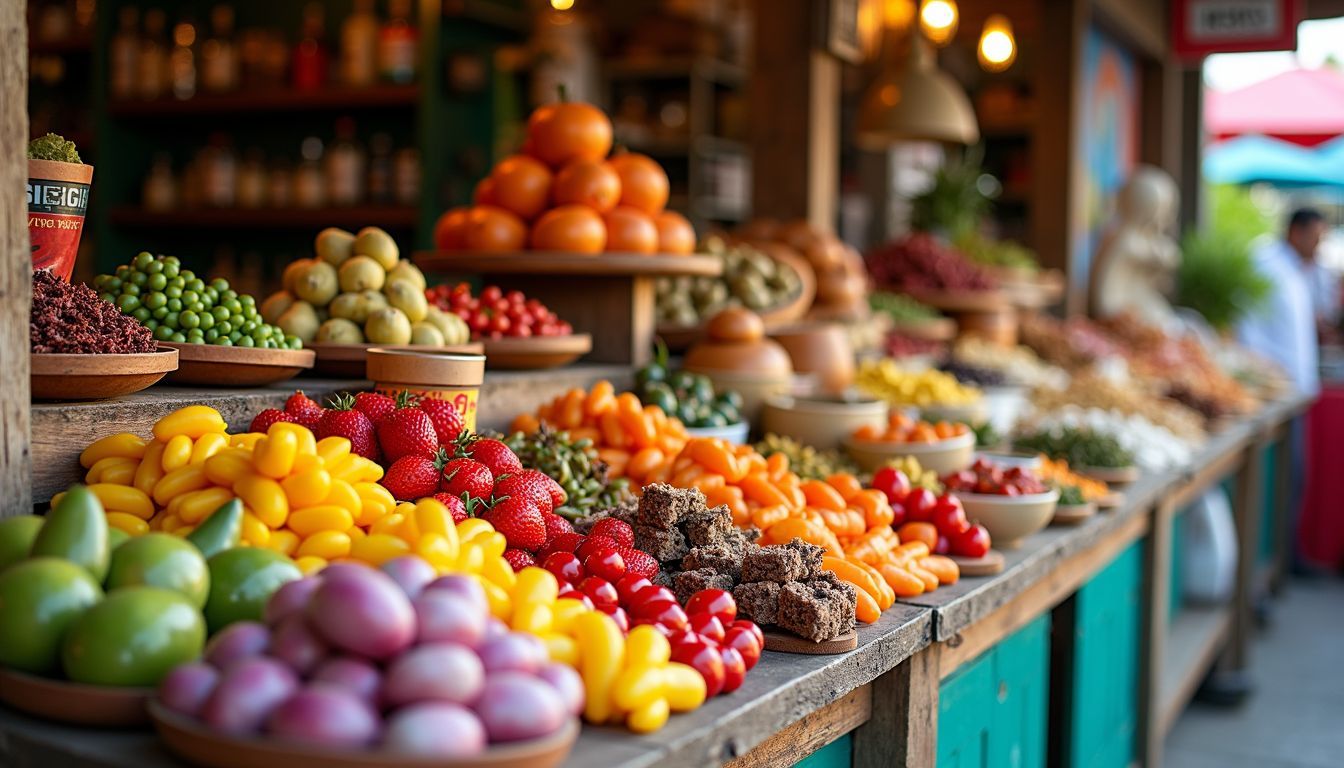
(887, 380)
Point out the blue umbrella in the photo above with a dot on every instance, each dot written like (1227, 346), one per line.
(1251, 159)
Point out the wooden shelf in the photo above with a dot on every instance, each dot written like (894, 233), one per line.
(277, 100)
(390, 217)
(675, 67)
(681, 146)
(1193, 640)
(490, 14)
(546, 263)
(79, 43)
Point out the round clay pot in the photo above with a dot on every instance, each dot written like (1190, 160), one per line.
(736, 342)
(823, 349)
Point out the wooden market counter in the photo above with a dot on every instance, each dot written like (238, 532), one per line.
(1052, 605)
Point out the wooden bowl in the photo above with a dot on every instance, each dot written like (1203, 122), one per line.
(536, 352)
(346, 361)
(1073, 514)
(1010, 519)
(962, 301)
(194, 742)
(822, 422)
(74, 703)
(97, 377)
(210, 365)
(945, 456)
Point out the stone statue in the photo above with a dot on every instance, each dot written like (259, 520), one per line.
(1135, 268)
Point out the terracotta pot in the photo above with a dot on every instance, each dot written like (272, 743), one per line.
(58, 197)
(823, 349)
(449, 376)
(736, 342)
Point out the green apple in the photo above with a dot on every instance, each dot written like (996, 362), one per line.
(133, 638)
(241, 581)
(39, 599)
(76, 529)
(160, 560)
(16, 538)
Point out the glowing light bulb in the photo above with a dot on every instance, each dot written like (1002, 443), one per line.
(938, 20)
(998, 49)
(562, 5)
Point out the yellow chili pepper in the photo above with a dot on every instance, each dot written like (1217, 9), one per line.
(434, 549)
(497, 570)
(343, 495)
(284, 542)
(355, 532)
(273, 455)
(376, 549)
(333, 448)
(532, 618)
(563, 613)
(375, 502)
(646, 646)
(266, 498)
(179, 481)
(128, 523)
(473, 527)
(124, 445)
(150, 471)
(192, 421)
(433, 516)
(95, 473)
(501, 606)
(601, 660)
(310, 564)
(471, 558)
(649, 717)
(247, 441)
(207, 446)
(123, 498)
(171, 523)
(307, 462)
(308, 488)
(306, 442)
(196, 506)
(326, 544)
(562, 649)
(638, 686)
(120, 474)
(685, 688)
(311, 520)
(535, 585)
(176, 453)
(255, 532)
(388, 525)
(227, 466)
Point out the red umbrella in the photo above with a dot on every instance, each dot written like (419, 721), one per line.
(1301, 106)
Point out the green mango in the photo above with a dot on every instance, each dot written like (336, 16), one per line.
(133, 638)
(76, 529)
(222, 530)
(242, 579)
(39, 599)
(161, 560)
(16, 538)
(115, 538)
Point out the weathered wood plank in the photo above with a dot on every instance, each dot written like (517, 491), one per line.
(16, 282)
(813, 732)
(903, 729)
(1156, 599)
(1192, 644)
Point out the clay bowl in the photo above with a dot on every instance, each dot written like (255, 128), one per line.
(97, 377)
(820, 348)
(823, 422)
(1010, 519)
(347, 361)
(536, 352)
(945, 456)
(735, 434)
(210, 365)
(74, 703)
(973, 413)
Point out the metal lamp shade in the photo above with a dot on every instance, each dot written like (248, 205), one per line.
(916, 102)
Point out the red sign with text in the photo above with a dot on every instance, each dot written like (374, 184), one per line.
(1201, 27)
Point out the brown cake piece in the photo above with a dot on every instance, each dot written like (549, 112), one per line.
(662, 579)
(810, 554)
(687, 583)
(720, 559)
(751, 535)
(813, 611)
(665, 545)
(663, 506)
(828, 580)
(758, 601)
(774, 563)
(708, 527)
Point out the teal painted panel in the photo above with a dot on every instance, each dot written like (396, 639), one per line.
(1105, 673)
(1269, 533)
(992, 712)
(1174, 598)
(837, 754)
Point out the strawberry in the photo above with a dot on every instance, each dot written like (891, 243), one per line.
(530, 483)
(592, 543)
(375, 405)
(412, 477)
(467, 476)
(454, 505)
(497, 456)
(519, 558)
(618, 531)
(558, 495)
(561, 542)
(448, 424)
(341, 420)
(266, 418)
(639, 562)
(518, 518)
(556, 525)
(304, 409)
(407, 431)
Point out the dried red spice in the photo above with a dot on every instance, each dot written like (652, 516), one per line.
(71, 319)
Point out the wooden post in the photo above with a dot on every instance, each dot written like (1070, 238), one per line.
(903, 728)
(1248, 494)
(1192, 145)
(1155, 606)
(795, 134)
(16, 282)
(1284, 530)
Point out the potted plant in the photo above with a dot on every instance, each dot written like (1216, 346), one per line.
(58, 197)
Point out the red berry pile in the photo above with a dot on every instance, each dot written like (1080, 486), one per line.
(920, 262)
(496, 314)
(989, 478)
(956, 534)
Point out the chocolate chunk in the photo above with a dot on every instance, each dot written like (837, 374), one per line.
(687, 583)
(708, 527)
(664, 545)
(773, 563)
(758, 602)
(663, 506)
(816, 613)
(720, 559)
(810, 554)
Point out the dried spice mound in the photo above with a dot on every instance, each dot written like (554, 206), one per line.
(71, 319)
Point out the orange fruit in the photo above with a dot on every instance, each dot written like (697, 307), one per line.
(523, 185)
(675, 233)
(570, 228)
(630, 231)
(569, 131)
(590, 183)
(484, 194)
(644, 183)
(491, 229)
(450, 230)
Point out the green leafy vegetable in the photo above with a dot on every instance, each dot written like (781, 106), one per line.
(1079, 447)
(53, 147)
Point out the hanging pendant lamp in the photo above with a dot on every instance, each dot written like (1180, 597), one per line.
(914, 100)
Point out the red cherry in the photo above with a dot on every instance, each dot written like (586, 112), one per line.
(565, 566)
(898, 514)
(714, 601)
(943, 546)
(572, 592)
(708, 626)
(605, 562)
(973, 542)
(665, 612)
(734, 668)
(892, 482)
(744, 640)
(753, 627)
(654, 592)
(663, 630)
(705, 659)
(617, 614)
(600, 591)
(630, 585)
(919, 505)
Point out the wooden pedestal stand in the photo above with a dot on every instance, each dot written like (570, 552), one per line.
(610, 296)
(987, 314)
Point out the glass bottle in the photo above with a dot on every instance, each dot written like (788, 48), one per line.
(380, 169)
(123, 53)
(182, 61)
(219, 55)
(280, 186)
(397, 43)
(309, 185)
(309, 68)
(152, 63)
(219, 173)
(160, 191)
(406, 176)
(345, 166)
(252, 180)
(359, 46)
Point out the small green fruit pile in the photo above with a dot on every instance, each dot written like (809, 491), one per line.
(687, 396)
(573, 464)
(178, 306)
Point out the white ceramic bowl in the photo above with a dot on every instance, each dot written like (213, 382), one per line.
(821, 422)
(1010, 519)
(967, 413)
(733, 433)
(1008, 460)
(1004, 406)
(950, 455)
(755, 388)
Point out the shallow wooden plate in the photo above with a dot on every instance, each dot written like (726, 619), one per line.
(1111, 500)
(558, 263)
(536, 351)
(1073, 514)
(210, 365)
(97, 377)
(196, 743)
(990, 564)
(787, 642)
(1111, 475)
(74, 703)
(347, 361)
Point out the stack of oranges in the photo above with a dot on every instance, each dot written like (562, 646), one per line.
(563, 192)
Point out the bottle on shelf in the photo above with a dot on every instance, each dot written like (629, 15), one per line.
(252, 180)
(152, 62)
(182, 61)
(219, 173)
(380, 169)
(160, 188)
(406, 176)
(398, 43)
(310, 188)
(219, 55)
(308, 71)
(123, 53)
(359, 46)
(345, 166)
(280, 185)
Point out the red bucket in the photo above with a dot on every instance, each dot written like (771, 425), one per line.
(58, 197)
